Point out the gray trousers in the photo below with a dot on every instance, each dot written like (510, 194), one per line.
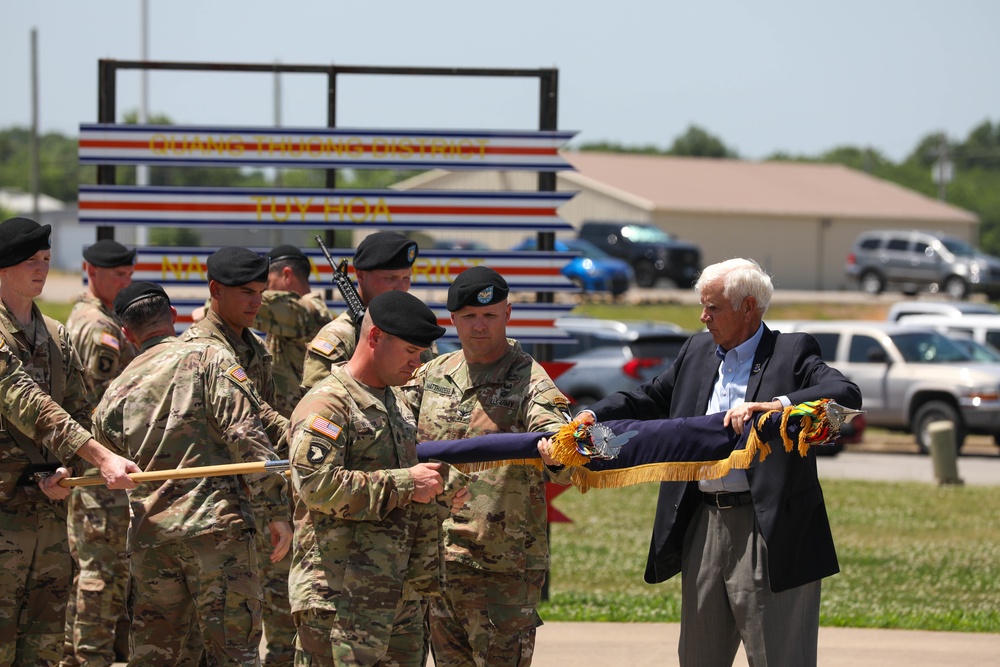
(726, 598)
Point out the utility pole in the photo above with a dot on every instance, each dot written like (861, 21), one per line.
(943, 170)
(142, 170)
(35, 171)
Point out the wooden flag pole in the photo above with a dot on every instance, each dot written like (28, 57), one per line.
(185, 473)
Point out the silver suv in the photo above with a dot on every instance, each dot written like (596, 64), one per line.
(910, 377)
(915, 260)
(610, 356)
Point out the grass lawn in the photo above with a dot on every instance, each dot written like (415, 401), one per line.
(912, 556)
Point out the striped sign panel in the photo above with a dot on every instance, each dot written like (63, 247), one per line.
(175, 145)
(525, 271)
(529, 322)
(320, 209)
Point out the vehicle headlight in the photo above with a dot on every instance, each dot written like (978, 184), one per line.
(979, 394)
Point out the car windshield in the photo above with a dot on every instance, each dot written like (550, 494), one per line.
(977, 350)
(925, 347)
(645, 234)
(957, 247)
(585, 248)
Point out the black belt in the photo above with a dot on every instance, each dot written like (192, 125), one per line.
(725, 501)
(28, 475)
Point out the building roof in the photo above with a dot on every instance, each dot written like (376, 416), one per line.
(21, 202)
(783, 189)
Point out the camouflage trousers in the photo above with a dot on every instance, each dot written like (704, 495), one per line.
(35, 585)
(200, 594)
(485, 618)
(279, 627)
(323, 641)
(97, 620)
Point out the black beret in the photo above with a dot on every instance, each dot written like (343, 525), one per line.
(286, 252)
(233, 266)
(108, 254)
(405, 316)
(385, 250)
(478, 286)
(20, 238)
(136, 291)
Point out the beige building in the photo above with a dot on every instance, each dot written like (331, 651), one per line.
(798, 220)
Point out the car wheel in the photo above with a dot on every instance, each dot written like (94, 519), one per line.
(645, 274)
(933, 411)
(872, 282)
(955, 287)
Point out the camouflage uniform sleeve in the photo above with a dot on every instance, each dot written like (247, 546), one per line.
(77, 398)
(281, 314)
(234, 407)
(34, 413)
(319, 450)
(547, 410)
(326, 349)
(101, 354)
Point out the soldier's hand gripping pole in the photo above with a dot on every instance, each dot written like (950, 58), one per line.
(186, 473)
(354, 305)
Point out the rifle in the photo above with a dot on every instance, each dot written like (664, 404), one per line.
(354, 305)
(185, 473)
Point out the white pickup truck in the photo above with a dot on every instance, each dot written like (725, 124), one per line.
(910, 377)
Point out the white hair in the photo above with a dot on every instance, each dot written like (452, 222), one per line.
(740, 278)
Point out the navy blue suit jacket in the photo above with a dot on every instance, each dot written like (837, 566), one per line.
(787, 497)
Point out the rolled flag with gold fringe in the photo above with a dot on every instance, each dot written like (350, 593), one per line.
(626, 452)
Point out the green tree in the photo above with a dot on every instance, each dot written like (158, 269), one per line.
(696, 142)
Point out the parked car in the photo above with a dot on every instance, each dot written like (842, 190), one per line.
(610, 356)
(942, 308)
(910, 377)
(652, 252)
(915, 260)
(981, 328)
(593, 269)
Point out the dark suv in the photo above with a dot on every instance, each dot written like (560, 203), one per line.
(652, 252)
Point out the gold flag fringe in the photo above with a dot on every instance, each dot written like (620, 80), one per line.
(814, 427)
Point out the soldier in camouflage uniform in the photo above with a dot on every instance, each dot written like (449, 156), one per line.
(291, 315)
(382, 262)
(361, 499)
(34, 551)
(193, 558)
(97, 620)
(496, 549)
(237, 279)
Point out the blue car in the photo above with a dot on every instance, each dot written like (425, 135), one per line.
(593, 269)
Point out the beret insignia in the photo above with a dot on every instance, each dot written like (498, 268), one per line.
(485, 296)
(411, 253)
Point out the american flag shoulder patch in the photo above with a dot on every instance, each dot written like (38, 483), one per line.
(107, 340)
(324, 426)
(322, 346)
(238, 373)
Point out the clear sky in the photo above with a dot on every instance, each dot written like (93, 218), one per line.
(763, 75)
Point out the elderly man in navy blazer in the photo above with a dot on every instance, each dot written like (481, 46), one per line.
(753, 546)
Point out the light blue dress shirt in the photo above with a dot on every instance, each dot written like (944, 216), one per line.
(729, 392)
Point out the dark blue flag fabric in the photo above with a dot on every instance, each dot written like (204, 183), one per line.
(664, 450)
